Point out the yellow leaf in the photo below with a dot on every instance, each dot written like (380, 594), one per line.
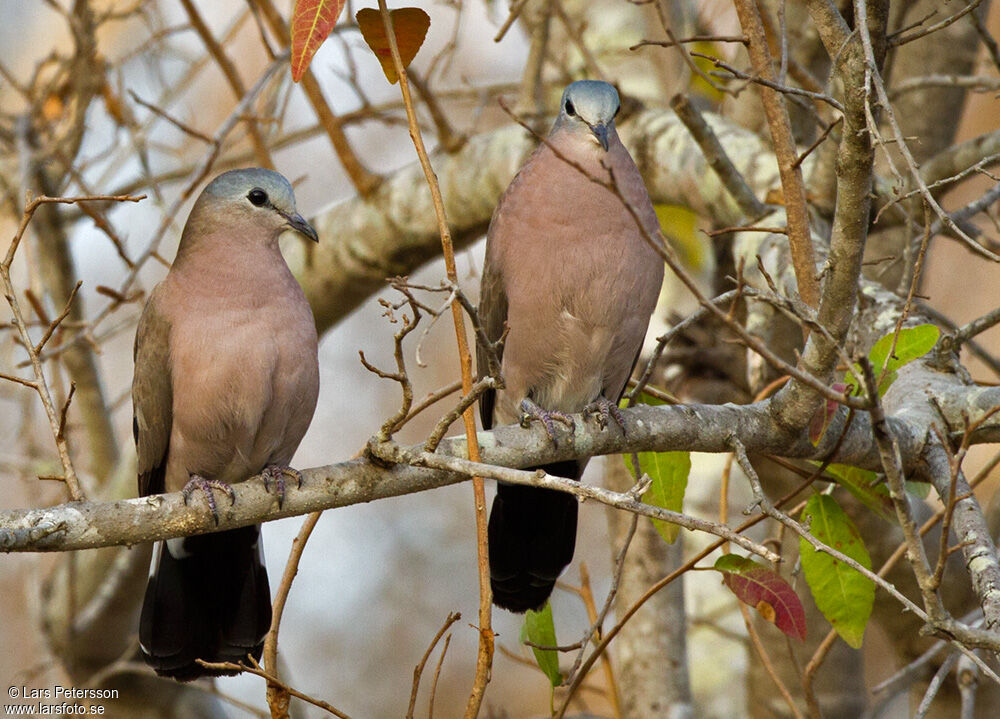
(680, 227)
(410, 25)
(698, 85)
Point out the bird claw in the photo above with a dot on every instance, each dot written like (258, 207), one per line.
(275, 474)
(206, 486)
(548, 418)
(603, 408)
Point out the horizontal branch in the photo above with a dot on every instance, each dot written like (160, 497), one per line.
(620, 500)
(699, 428)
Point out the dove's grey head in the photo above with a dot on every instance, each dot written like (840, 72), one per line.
(588, 109)
(252, 197)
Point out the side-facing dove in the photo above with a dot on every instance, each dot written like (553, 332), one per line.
(573, 276)
(226, 381)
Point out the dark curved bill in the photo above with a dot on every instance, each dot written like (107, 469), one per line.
(297, 223)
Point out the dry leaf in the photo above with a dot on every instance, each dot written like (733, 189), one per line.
(410, 25)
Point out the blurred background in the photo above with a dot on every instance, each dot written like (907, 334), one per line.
(377, 580)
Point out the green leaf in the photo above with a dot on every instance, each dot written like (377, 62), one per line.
(913, 343)
(845, 596)
(538, 628)
(643, 398)
(867, 487)
(766, 591)
(920, 490)
(669, 472)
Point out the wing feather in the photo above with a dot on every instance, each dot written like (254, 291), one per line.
(152, 397)
(492, 316)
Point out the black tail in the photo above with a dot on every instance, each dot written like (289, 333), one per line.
(532, 535)
(207, 598)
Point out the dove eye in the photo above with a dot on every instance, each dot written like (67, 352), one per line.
(257, 196)
(570, 110)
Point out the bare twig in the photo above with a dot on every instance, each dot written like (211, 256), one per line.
(605, 496)
(587, 595)
(935, 685)
(900, 39)
(613, 632)
(515, 10)
(433, 398)
(694, 38)
(277, 694)
(419, 669)
(363, 180)
(809, 673)
(271, 679)
(40, 384)
(435, 437)
(765, 659)
(437, 673)
(795, 93)
(218, 53)
(179, 124)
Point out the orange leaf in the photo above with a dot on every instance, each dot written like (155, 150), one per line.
(53, 107)
(410, 25)
(766, 611)
(312, 21)
(113, 104)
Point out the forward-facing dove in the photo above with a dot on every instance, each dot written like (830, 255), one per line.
(572, 273)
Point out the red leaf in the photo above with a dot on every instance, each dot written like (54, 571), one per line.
(825, 412)
(410, 25)
(766, 591)
(312, 21)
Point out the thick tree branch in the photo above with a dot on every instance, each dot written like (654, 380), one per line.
(974, 535)
(698, 428)
(855, 160)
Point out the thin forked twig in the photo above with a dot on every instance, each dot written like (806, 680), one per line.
(256, 670)
(419, 669)
(437, 674)
(40, 385)
(799, 235)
